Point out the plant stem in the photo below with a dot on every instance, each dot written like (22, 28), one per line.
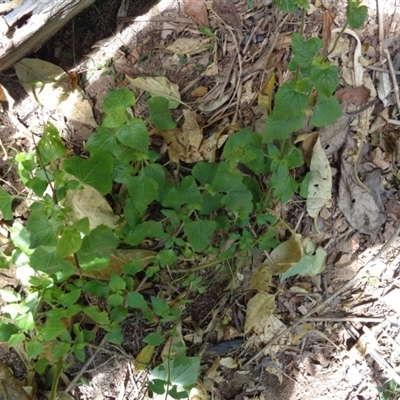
(54, 386)
(336, 40)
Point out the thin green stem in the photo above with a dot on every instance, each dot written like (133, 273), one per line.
(336, 40)
(54, 386)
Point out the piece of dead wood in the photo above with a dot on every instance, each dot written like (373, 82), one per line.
(362, 271)
(29, 25)
(10, 388)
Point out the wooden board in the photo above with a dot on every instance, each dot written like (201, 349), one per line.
(26, 28)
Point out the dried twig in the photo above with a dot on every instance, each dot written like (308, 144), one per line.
(326, 302)
(394, 80)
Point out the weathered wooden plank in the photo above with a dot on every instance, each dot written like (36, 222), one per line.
(28, 26)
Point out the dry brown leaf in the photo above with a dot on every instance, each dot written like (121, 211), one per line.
(259, 309)
(118, 259)
(51, 86)
(357, 96)
(320, 186)
(327, 22)
(227, 11)
(89, 203)
(197, 10)
(334, 136)
(189, 46)
(184, 144)
(363, 209)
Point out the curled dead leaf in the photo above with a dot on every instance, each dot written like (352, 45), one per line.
(197, 10)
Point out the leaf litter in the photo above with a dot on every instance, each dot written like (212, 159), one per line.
(363, 209)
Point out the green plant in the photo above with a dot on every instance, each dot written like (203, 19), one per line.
(389, 391)
(213, 210)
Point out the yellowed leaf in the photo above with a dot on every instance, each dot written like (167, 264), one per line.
(259, 308)
(189, 46)
(184, 144)
(118, 259)
(228, 362)
(144, 357)
(159, 86)
(199, 91)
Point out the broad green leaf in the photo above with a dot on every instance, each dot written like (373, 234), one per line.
(70, 298)
(9, 296)
(16, 339)
(103, 141)
(95, 171)
(355, 13)
(154, 339)
(160, 114)
(45, 259)
(5, 204)
(118, 314)
(25, 322)
(41, 230)
(225, 179)
(160, 306)
(50, 147)
(199, 233)
(116, 283)
(118, 100)
(143, 191)
(40, 365)
(287, 6)
(291, 93)
(293, 158)
(134, 134)
(51, 329)
(282, 183)
(136, 300)
(325, 78)
(311, 264)
(59, 349)
(181, 372)
(34, 348)
(147, 229)
(305, 51)
(100, 317)
(187, 193)
(205, 172)
(245, 147)
(82, 226)
(211, 203)
(279, 128)
(96, 248)
(37, 185)
(114, 335)
(96, 287)
(69, 243)
(326, 111)
(115, 300)
(239, 199)
(156, 172)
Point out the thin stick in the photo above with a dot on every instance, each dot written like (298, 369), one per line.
(380, 28)
(326, 302)
(394, 80)
(346, 319)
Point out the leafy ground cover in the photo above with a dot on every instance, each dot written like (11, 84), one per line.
(156, 207)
